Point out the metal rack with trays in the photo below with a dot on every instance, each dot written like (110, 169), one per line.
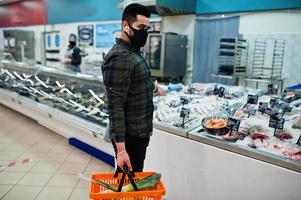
(260, 69)
(233, 56)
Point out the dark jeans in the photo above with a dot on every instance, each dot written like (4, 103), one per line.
(136, 149)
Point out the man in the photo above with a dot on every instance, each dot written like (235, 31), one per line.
(72, 56)
(130, 90)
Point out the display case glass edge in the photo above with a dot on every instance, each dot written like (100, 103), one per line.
(54, 72)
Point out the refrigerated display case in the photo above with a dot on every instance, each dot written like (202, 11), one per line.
(73, 104)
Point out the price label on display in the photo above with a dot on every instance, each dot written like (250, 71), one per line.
(272, 88)
(185, 112)
(268, 111)
(299, 140)
(252, 99)
(230, 111)
(221, 92)
(184, 99)
(286, 107)
(191, 89)
(276, 113)
(233, 124)
(251, 111)
(276, 123)
(263, 106)
(274, 102)
(215, 89)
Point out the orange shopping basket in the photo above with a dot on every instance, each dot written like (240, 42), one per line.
(96, 190)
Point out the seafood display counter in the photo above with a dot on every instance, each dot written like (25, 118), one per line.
(241, 120)
(204, 134)
(71, 104)
(230, 151)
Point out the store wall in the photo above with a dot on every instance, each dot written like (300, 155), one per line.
(271, 22)
(281, 25)
(66, 11)
(183, 24)
(64, 29)
(223, 6)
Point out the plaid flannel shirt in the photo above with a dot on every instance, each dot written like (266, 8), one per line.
(129, 88)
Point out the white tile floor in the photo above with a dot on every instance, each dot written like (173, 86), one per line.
(53, 172)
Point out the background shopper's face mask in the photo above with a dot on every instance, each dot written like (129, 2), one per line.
(139, 37)
(72, 44)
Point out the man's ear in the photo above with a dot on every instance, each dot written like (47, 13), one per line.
(125, 26)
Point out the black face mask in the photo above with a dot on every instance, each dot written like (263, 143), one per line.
(139, 38)
(72, 44)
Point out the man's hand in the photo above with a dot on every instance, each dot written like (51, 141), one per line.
(160, 91)
(122, 156)
(67, 61)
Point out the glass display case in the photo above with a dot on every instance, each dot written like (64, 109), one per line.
(75, 93)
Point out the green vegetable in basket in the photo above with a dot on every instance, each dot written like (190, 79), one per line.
(106, 185)
(144, 183)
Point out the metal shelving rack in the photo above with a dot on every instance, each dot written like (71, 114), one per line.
(278, 57)
(263, 71)
(226, 56)
(274, 71)
(259, 57)
(233, 56)
(241, 58)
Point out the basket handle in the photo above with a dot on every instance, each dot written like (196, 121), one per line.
(124, 173)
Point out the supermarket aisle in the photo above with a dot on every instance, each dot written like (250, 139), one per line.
(53, 172)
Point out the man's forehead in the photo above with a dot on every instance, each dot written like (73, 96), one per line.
(140, 19)
(72, 38)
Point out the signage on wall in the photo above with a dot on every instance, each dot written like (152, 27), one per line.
(106, 34)
(52, 40)
(85, 34)
(57, 40)
(48, 41)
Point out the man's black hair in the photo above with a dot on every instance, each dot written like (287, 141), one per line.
(131, 11)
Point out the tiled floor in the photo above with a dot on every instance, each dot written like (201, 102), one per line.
(53, 172)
